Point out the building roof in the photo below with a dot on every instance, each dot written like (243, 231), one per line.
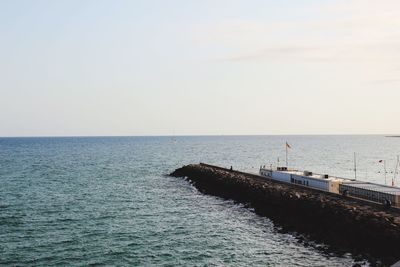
(375, 187)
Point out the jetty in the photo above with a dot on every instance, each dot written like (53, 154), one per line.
(342, 223)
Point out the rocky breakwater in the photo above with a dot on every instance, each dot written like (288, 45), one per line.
(344, 224)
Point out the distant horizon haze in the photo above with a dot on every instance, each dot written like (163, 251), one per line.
(197, 135)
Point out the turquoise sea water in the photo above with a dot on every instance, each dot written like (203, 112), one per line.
(107, 201)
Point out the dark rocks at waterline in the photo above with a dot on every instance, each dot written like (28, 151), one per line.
(342, 223)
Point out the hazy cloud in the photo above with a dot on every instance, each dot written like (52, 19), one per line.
(353, 29)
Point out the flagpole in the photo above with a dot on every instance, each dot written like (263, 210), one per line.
(384, 169)
(286, 146)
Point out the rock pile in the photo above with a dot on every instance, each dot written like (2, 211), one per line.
(342, 223)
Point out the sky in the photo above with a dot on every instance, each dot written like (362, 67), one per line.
(209, 67)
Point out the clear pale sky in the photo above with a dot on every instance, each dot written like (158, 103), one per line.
(199, 67)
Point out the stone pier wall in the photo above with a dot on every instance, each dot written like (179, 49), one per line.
(342, 223)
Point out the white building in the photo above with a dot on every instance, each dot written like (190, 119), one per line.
(323, 182)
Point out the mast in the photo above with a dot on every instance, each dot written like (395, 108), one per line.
(396, 170)
(355, 166)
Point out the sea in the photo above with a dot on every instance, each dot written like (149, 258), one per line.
(108, 201)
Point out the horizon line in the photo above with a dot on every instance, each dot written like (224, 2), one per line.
(197, 135)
